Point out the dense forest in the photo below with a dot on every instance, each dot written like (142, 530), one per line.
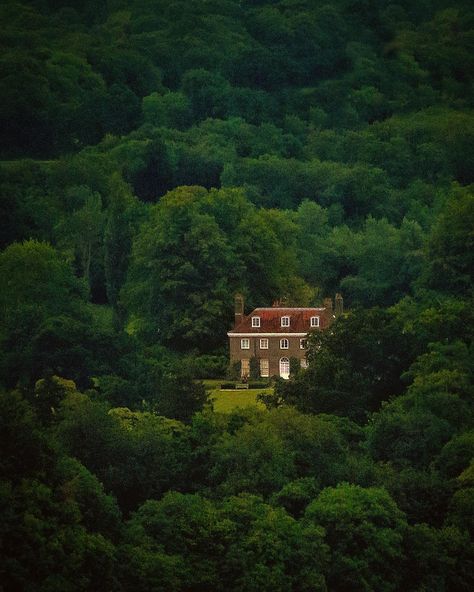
(159, 156)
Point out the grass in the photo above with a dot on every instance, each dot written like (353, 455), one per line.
(227, 401)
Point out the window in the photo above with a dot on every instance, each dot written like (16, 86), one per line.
(245, 368)
(255, 321)
(263, 343)
(245, 344)
(285, 321)
(284, 344)
(302, 343)
(264, 368)
(285, 368)
(314, 321)
(304, 363)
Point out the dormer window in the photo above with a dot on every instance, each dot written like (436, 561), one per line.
(285, 321)
(314, 321)
(255, 321)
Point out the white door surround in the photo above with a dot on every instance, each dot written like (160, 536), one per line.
(285, 368)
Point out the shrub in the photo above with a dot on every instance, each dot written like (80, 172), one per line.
(210, 366)
(258, 385)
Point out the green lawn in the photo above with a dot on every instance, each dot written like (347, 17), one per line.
(228, 400)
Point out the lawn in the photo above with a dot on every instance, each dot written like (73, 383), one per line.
(227, 401)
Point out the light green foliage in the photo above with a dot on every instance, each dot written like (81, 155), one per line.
(279, 446)
(364, 531)
(169, 110)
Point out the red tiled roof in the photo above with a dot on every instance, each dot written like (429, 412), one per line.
(270, 320)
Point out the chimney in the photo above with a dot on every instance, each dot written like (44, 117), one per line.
(239, 309)
(338, 305)
(327, 303)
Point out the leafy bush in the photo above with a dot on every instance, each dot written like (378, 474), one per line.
(258, 385)
(209, 366)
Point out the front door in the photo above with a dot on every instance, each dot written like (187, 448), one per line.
(285, 368)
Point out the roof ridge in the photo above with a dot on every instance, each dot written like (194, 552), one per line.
(290, 308)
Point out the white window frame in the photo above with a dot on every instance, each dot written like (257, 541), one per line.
(245, 368)
(245, 343)
(303, 343)
(283, 342)
(264, 373)
(255, 321)
(304, 363)
(264, 343)
(314, 322)
(285, 321)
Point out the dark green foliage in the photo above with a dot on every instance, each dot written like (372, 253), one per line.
(20, 431)
(451, 245)
(258, 385)
(180, 396)
(353, 367)
(160, 156)
(254, 368)
(210, 366)
(198, 248)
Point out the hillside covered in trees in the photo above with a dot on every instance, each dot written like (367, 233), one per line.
(156, 157)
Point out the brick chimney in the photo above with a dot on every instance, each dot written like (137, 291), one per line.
(338, 305)
(327, 303)
(239, 309)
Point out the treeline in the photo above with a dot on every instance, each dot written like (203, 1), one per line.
(159, 157)
(328, 497)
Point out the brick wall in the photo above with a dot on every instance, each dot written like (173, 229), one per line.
(273, 353)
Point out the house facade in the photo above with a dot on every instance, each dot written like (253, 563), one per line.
(274, 335)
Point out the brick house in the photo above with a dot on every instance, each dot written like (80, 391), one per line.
(274, 335)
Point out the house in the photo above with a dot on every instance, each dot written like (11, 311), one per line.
(274, 335)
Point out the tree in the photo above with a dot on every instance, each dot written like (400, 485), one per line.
(41, 286)
(180, 396)
(364, 531)
(136, 455)
(21, 431)
(182, 274)
(122, 220)
(270, 550)
(451, 244)
(82, 232)
(353, 367)
(180, 530)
